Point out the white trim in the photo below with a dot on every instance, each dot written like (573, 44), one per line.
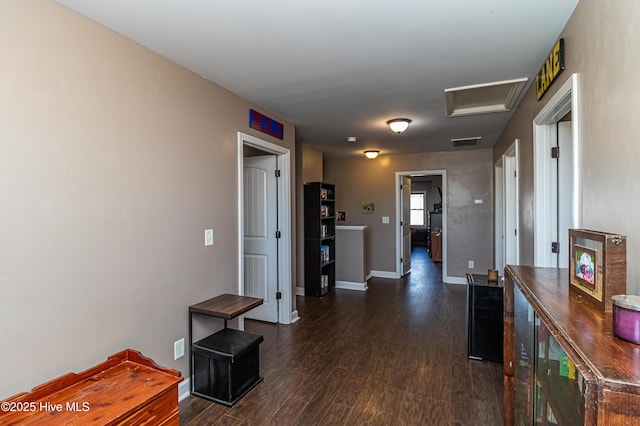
(499, 213)
(384, 274)
(511, 163)
(184, 389)
(454, 280)
(350, 228)
(299, 291)
(348, 285)
(294, 315)
(565, 99)
(285, 307)
(442, 173)
(369, 276)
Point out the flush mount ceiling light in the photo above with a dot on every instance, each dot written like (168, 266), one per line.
(399, 125)
(351, 139)
(371, 154)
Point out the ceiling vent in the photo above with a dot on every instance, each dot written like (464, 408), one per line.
(499, 96)
(460, 142)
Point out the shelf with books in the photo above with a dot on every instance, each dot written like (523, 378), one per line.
(319, 237)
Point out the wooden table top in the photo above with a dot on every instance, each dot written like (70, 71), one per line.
(107, 393)
(226, 306)
(579, 323)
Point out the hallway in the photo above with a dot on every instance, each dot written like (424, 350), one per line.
(395, 354)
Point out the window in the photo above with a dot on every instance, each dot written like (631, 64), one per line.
(417, 208)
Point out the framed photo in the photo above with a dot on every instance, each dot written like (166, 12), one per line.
(597, 266)
(586, 266)
(368, 207)
(342, 216)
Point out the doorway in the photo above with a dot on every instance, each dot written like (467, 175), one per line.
(556, 179)
(403, 250)
(507, 232)
(280, 301)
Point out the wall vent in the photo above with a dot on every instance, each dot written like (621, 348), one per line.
(460, 142)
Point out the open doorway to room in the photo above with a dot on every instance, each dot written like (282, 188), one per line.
(507, 233)
(556, 179)
(421, 228)
(264, 228)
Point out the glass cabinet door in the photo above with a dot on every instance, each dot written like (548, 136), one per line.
(559, 386)
(524, 323)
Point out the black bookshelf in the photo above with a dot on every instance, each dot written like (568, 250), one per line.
(319, 238)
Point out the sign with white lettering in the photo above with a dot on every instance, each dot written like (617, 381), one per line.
(551, 69)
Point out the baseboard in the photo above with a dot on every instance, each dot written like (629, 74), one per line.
(369, 276)
(383, 274)
(349, 285)
(299, 291)
(294, 316)
(184, 389)
(455, 280)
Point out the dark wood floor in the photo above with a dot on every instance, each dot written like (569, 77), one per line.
(393, 355)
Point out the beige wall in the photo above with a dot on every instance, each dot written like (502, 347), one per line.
(469, 176)
(309, 163)
(601, 44)
(114, 161)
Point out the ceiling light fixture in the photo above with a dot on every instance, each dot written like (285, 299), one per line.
(399, 125)
(371, 154)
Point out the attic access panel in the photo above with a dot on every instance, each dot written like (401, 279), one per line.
(499, 96)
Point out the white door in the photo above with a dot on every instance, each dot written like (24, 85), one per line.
(405, 208)
(564, 191)
(511, 202)
(260, 242)
(499, 216)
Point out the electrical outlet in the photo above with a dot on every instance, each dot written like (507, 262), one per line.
(178, 349)
(471, 264)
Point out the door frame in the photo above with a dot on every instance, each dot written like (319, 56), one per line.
(403, 255)
(396, 183)
(286, 314)
(566, 99)
(511, 202)
(499, 208)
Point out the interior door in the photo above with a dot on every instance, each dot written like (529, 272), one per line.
(260, 242)
(499, 216)
(511, 203)
(565, 191)
(405, 208)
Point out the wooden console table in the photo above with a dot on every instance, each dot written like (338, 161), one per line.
(561, 360)
(127, 389)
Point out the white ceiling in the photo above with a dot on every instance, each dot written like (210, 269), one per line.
(340, 68)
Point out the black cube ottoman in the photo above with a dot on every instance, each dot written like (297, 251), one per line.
(226, 365)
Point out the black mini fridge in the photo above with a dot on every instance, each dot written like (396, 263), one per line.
(485, 318)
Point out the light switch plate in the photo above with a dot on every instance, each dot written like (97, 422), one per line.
(178, 349)
(208, 237)
(385, 219)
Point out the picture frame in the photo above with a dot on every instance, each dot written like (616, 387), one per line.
(597, 266)
(368, 207)
(586, 266)
(342, 216)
